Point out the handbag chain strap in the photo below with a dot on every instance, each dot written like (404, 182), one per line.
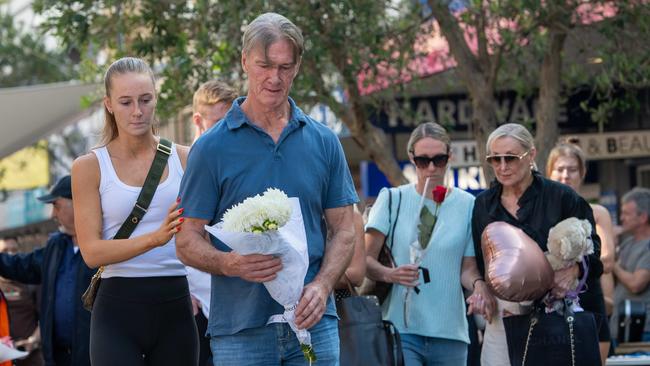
(569, 320)
(533, 321)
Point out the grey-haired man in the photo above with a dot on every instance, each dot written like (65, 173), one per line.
(632, 270)
(265, 141)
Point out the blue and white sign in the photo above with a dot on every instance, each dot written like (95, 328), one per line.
(21, 208)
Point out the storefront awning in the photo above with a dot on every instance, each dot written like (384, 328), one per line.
(30, 113)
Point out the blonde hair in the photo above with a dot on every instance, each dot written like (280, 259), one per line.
(428, 129)
(211, 93)
(122, 66)
(513, 130)
(566, 149)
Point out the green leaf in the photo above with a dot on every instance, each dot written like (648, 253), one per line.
(425, 227)
(309, 353)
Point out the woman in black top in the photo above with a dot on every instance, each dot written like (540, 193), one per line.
(567, 164)
(521, 197)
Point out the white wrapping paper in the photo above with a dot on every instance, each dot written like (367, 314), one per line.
(290, 244)
(7, 353)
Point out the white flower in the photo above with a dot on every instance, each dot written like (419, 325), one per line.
(260, 213)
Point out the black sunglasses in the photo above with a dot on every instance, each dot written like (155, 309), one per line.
(423, 162)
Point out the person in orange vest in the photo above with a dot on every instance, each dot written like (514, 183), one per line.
(22, 305)
(7, 350)
(4, 325)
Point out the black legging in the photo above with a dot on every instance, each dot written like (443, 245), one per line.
(143, 321)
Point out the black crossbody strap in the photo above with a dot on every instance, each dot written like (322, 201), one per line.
(163, 151)
(392, 230)
(390, 211)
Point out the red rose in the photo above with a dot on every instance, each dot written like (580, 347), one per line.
(439, 194)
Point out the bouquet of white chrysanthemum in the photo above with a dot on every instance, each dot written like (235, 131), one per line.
(258, 214)
(272, 224)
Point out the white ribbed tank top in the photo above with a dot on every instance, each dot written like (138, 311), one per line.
(117, 201)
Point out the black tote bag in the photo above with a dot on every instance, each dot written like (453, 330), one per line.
(552, 339)
(366, 339)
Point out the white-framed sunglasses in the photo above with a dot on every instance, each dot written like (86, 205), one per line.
(507, 158)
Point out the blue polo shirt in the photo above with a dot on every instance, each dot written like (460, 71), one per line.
(236, 159)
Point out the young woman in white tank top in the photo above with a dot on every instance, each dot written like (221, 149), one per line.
(142, 314)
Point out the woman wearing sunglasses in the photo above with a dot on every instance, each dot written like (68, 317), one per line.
(436, 331)
(521, 197)
(567, 164)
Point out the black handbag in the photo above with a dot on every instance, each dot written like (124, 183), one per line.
(631, 320)
(541, 339)
(381, 289)
(156, 170)
(366, 339)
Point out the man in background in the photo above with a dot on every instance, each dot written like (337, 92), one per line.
(632, 270)
(22, 304)
(211, 102)
(63, 275)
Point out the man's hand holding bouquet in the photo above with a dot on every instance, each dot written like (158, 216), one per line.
(272, 224)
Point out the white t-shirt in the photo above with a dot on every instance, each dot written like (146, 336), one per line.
(200, 287)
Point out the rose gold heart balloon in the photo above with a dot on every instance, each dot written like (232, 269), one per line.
(515, 267)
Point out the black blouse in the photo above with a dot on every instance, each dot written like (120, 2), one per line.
(543, 204)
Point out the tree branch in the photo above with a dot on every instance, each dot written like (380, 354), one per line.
(481, 24)
(468, 65)
(495, 65)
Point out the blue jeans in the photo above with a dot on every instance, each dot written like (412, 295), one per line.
(420, 350)
(276, 344)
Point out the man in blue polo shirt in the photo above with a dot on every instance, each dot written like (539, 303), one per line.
(265, 141)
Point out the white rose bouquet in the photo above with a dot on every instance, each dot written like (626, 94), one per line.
(272, 224)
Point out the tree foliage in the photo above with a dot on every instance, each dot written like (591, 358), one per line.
(517, 45)
(550, 49)
(191, 42)
(24, 58)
